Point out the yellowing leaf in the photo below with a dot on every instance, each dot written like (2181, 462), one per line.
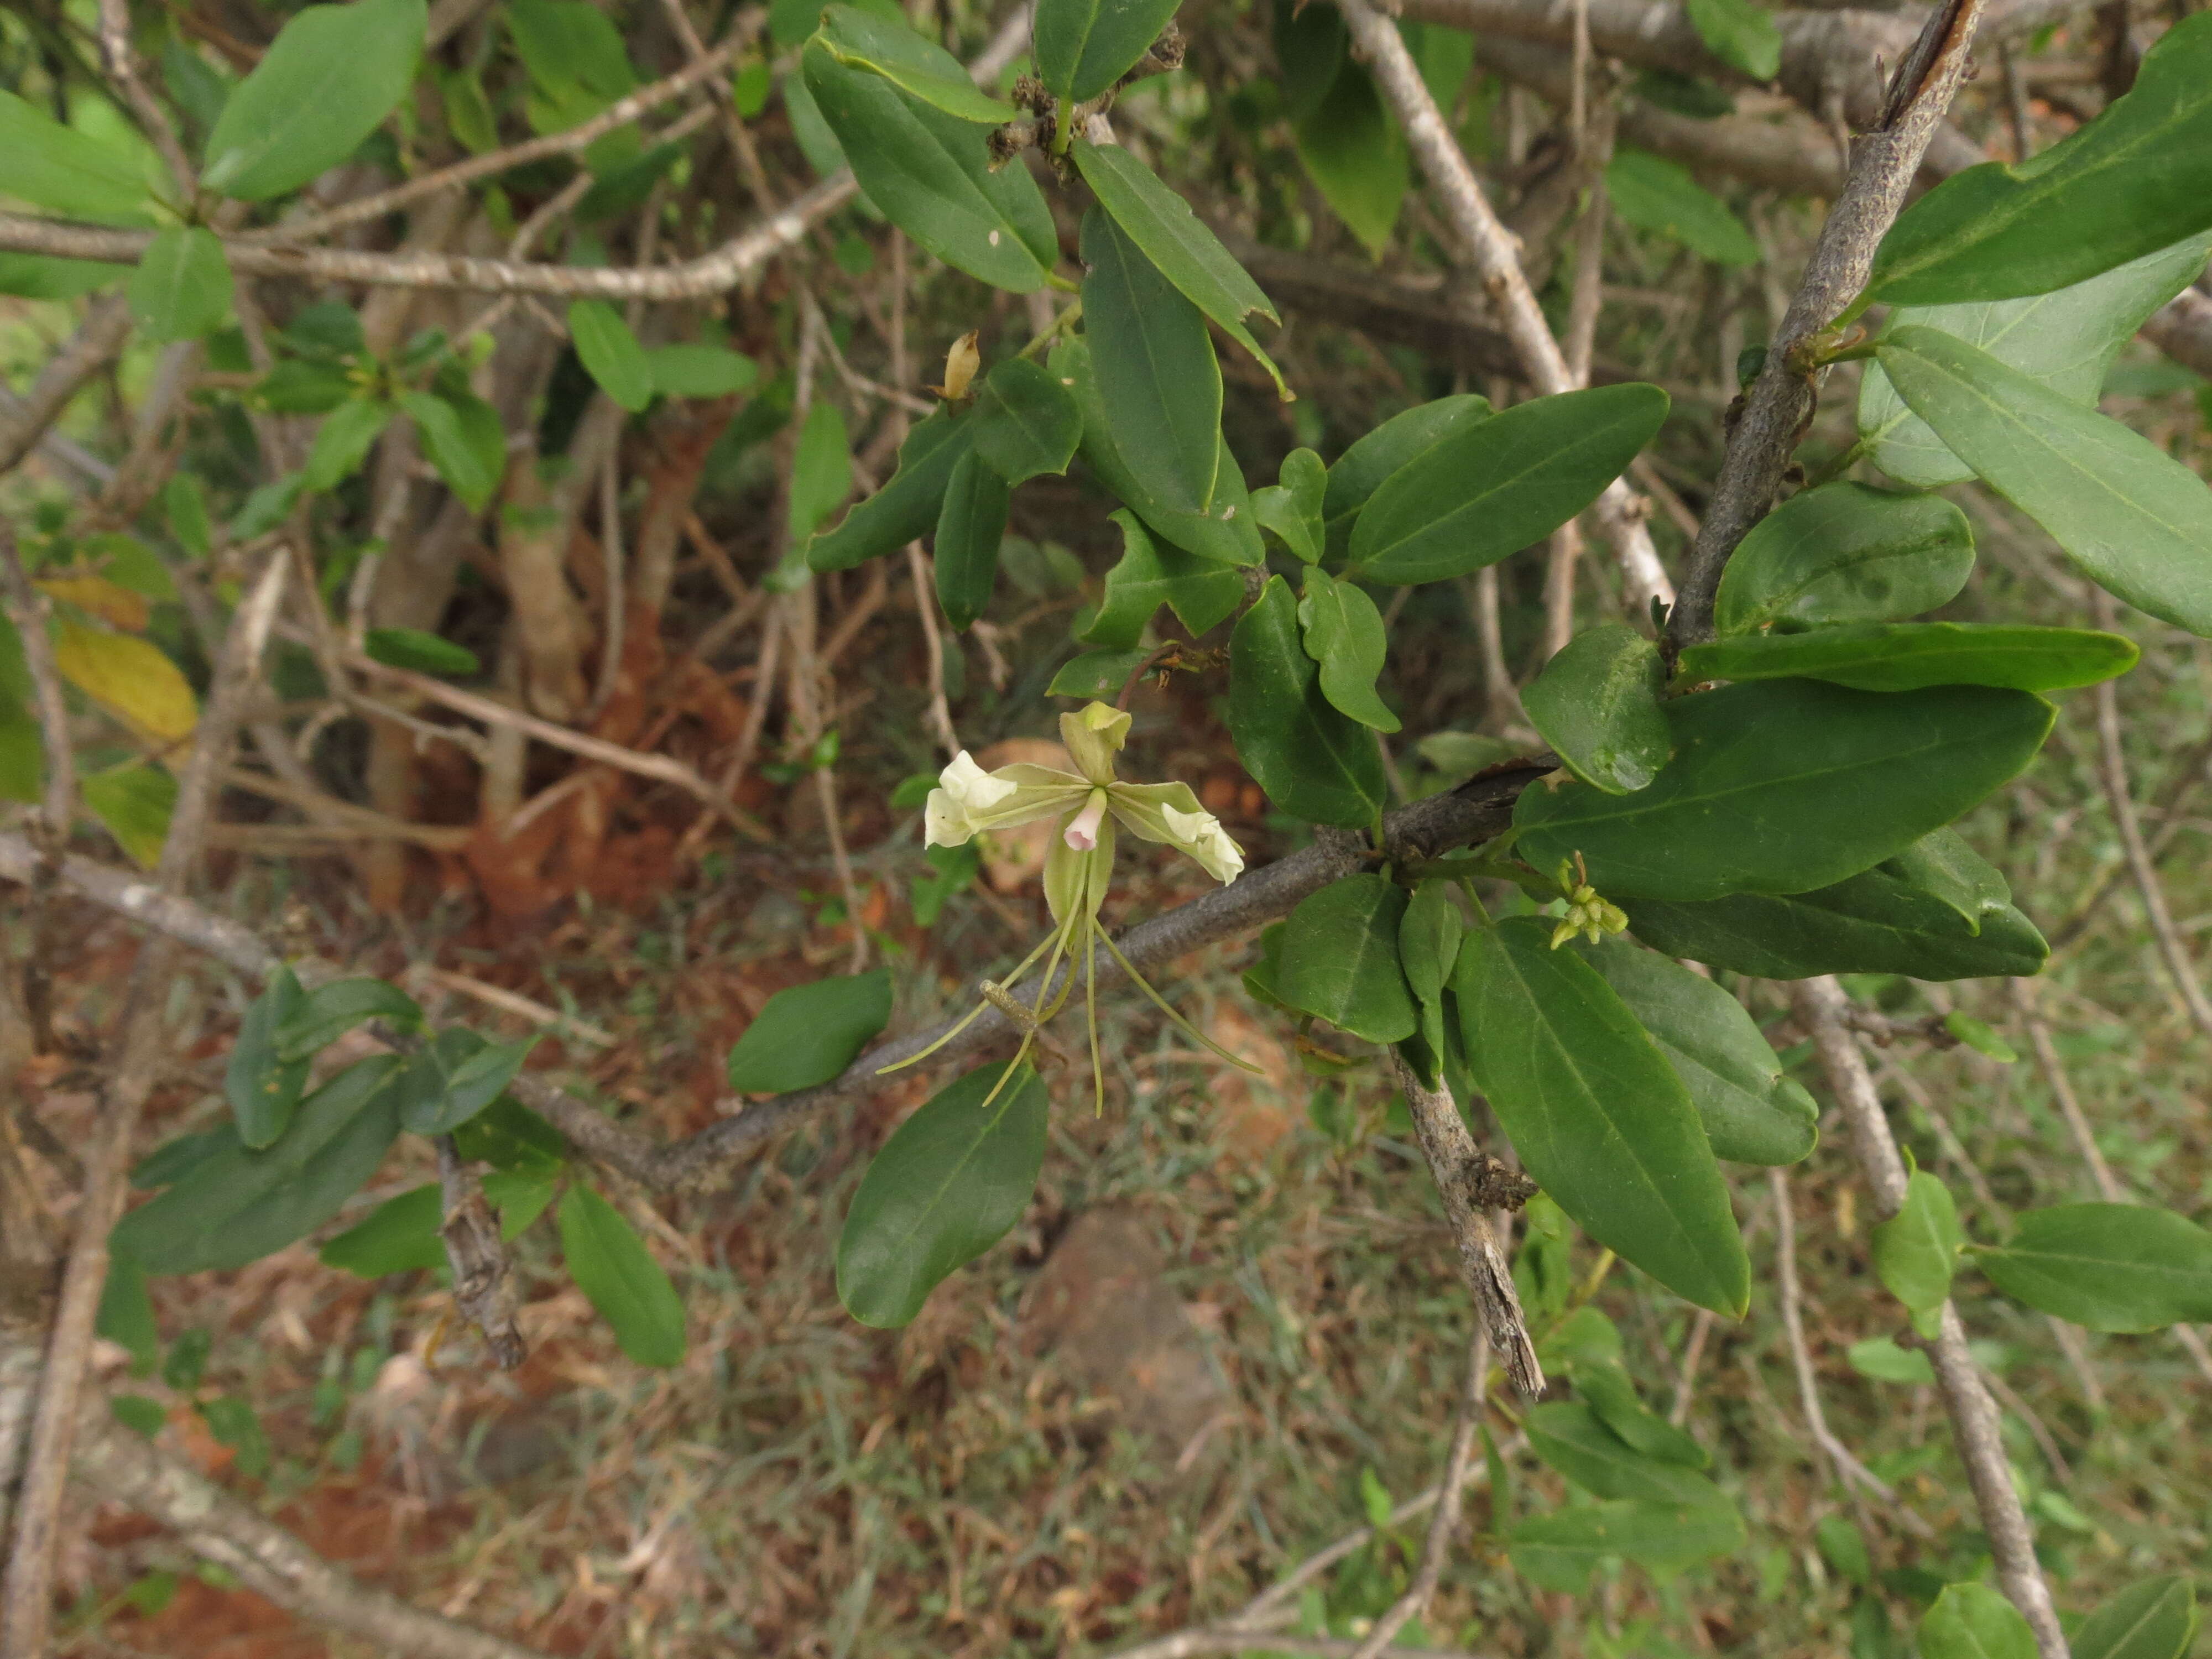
(102, 598)
(129, 677)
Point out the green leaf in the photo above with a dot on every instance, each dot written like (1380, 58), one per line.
(327, 81)
(1741, 34)
(1363, 469)
(1978, 1037)
(1428, 939)
(1611, 1396)
(1751, 1112)
(329, 1012)
(1597, 703)
(1154, 366)
(1095, 675)
(2132, 518)
(60, 169)
(173, 1160)
(298, 387)
(865, 40)
(1148, 576)
(610, 353)
(1972, 1621)
(237, 1205)
(463, 438)
(947, 1185)
(342, 441)
(930, 174)
(513, 1139)
(1227, 534)
(135, 804)
(904, 509)
(2066, 340)
(1559, 1552)
(1908, 656)
(398, 1235)
(1874, 923)
(1339, 959)
(2106, 1267)
(46, 276)
(612, 1267)
(139, 1413)
(126, 1314)
(1659, 195)
(969, 529)
(262, 1086)
(455, 1076)
(184, 501)
(520, 1199)
(426, 653)
(815, 139)
(1179, 246)
(1881, 1359)
(821, 470)
(1845, 553)
(1026, 423)
(1783, 786)
(1344, 634)
(181, 289)
(699, 371)
(2153, 1619)
(1083, 46)
(1493, 487)
(2136, 179)
(1916, 1251)
(1312, 761)
(1574, 1440)
(1596, 1113)
(808, 1034)
(1291, 510)
(1355, 154)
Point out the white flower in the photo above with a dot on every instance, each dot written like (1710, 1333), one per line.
(968, 798)
(1201, 835)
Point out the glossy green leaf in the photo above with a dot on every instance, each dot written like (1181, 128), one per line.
(1339, 959)
(262, 1086)
(2107, 1267)
(1559, 1552)
(126, 1314)
(398, 1235)
(1344, 634)
(1494, 486)
(969, 527)
(612, 1267)
(1428, 937)
(1597, 703)
(1026, 423)
(1972, 1621)
(817, 142)
(181, 289)
(904, 509)
(237, 1205)
(1609, 1393)
(1845, 553)
(1783, 786)
(930, 174)
(134, 805)
(947, 1185)
(2133, 518)
(327, 81)
(808, 1034)
(2136, 179)
(1740, 34)
(512, 1139)
(1355, 154)
(610, 353)
(1656, 195)
(329, 1012)
(1908, 656)
(1153, 363)
(867, 41)
(60, 169)
(1148, 576)
(1312, 761)
(1180, 247)
(1751, 1112)
(463, 438)
(426, 653)
(2155, 1620)
(1881, 1359)
(1083, 46)
(1228, 533)
(1372, 459)
(1574, 1439)
(699, 371)
(1943, 866)
(1290, 511)
(821, 470)
(1916, 1251)
(1596, 1113)
(342, 442)
(2066, 340)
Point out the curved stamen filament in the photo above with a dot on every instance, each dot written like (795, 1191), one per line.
(1160, 1002)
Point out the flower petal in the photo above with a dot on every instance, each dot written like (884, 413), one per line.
(1094, 737)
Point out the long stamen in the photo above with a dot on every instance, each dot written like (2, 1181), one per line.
(1091, 1015)
(1160, 1002)
(1028, 1037)
(966, 1019)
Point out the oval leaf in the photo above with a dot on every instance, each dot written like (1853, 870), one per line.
(808, 1034)
(1972, 1621)
(610, 353)
(128, 677)
(463, 438)
(868, 40)
(329, 1012)
(1785, 786)
(1597, 703)
(263, 1082)
(1083, 46)
(904, 509)
(1312, 761)
(699, 371)
(398, 1235)
(947, 1185)
(1574, 1440)
(60, 169)
(1596, 1114)
(426, 653)
(181, 289)
(2153, 1619)
(1339, 959)
(1916, 1251)
(1845, 553)
(2107, 1267)
(612, 1267)
(1026, 423)
(969, 529)
(1372, 459)
(1153, 362)
(1907, 656)
(1659, 195)
(327, 81)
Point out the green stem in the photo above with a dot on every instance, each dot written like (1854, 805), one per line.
(1837, 465)
(1069, 314)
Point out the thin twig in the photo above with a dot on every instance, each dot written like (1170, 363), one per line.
(27, 608)
(98, 341)
(122, 65)
(483, 1279)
